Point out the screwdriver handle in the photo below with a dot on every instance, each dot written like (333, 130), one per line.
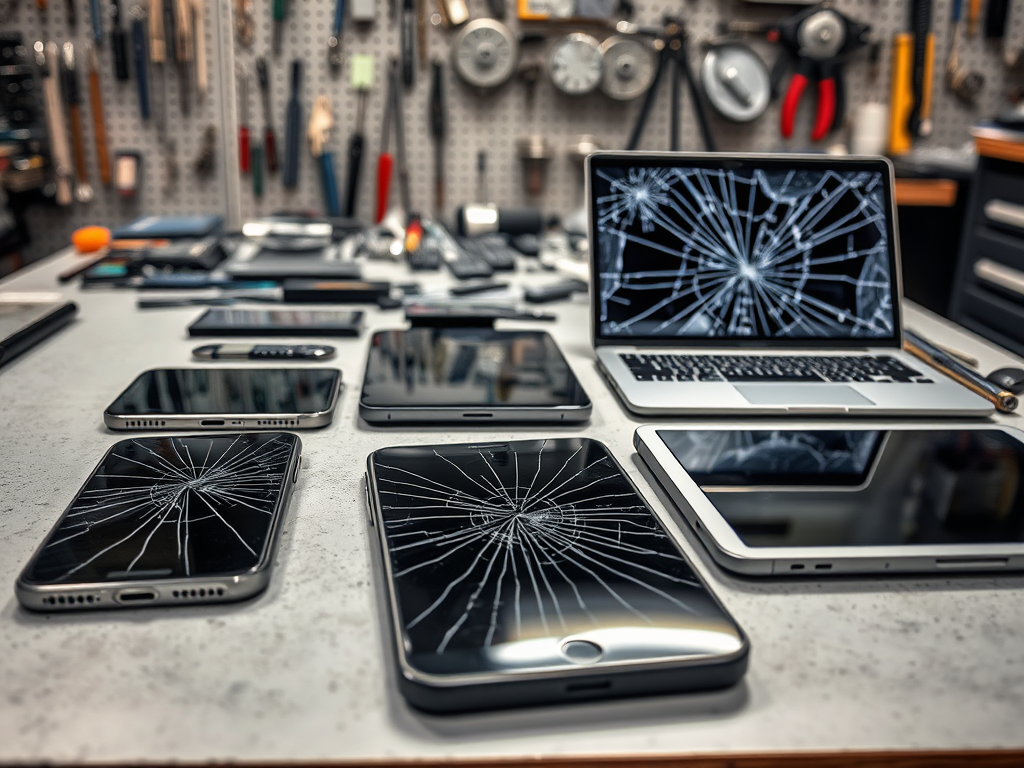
(243, 148)
(355, 164)
(256, 155)
(279, 10)
(330, 184)
(384, 164)
(141, 65)
(270, 145)
(119, 43)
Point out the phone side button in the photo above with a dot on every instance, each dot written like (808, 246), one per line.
(295, 475)
(366, 492)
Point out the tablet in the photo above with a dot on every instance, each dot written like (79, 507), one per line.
(793, 499)
(469, 375)
(276, 322)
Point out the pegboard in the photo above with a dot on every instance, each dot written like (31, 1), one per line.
(492, 122)
(51, 227)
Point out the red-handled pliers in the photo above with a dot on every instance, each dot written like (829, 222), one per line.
(821, 39)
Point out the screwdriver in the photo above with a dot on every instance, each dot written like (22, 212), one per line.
(243, 119)
(98, 122)
(118, 41)
(280, 9)
(335, 56)
(321, 120)
(138, 14)
(437, 132)
(362, 81)
(292, 128)
(384, 159)
(269, 140)
(408, 41)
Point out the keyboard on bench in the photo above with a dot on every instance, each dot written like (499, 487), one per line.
(747, 368)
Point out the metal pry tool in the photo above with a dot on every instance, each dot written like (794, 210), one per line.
(292, 129)
(321, 120)
(269, 139)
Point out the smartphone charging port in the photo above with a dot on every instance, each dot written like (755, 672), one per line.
(212, 423)
(136, 595)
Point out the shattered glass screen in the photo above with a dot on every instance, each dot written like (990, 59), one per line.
(502, 552)
(894, 488)
(170, 507)
(468, 367)
(229, 391)
(765, 251)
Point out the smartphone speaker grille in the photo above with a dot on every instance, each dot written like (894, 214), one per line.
(212, 590)
(84, 599)
(277, 422)
(146, 423)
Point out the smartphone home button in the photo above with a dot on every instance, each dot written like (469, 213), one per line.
(582, 651)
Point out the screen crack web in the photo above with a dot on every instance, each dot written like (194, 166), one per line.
(715, 253)
(533, 539)
(171, 507)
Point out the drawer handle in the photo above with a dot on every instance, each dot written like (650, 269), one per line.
(999, 274)
(1005, 213)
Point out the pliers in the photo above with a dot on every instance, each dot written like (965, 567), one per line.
(821, 39)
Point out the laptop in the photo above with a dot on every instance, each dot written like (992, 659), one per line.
(754, 284)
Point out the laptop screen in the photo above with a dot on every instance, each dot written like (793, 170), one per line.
(748, 249)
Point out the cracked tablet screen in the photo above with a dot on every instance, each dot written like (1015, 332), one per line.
(168, 507)
(500, 552)
(756, 253)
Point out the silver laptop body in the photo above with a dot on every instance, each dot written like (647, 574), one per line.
(749, 283)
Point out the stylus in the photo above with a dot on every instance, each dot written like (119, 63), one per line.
(263, 352)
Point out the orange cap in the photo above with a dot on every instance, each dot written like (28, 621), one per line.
(90, 239)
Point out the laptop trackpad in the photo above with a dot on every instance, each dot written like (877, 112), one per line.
(801, 394)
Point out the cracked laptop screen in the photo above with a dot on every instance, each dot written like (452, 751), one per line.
(765, 250)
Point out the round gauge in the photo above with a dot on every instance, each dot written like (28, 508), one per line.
(484, 53)
(575, 64)
(736, 82)
(628, 67)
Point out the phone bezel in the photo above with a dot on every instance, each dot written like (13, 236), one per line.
(236, 586)
(229, 421)
(729, 551)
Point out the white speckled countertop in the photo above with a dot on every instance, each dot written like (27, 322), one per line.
(301, 672)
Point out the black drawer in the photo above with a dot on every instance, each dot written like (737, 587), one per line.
(996, 185)
(993, 317)
(988, 244)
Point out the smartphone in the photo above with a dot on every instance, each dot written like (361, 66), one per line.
(533, 571)
(227, 398)
(276, 322)
(168, 521)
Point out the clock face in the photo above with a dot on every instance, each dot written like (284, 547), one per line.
(484, 53)
(576, 64)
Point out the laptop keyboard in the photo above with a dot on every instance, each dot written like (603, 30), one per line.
(747, 368)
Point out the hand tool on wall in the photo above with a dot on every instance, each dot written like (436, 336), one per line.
(672, 41)
(438, 132)
(408, 41)
(901, 96)
(99, 125)
(453, 13)
(184, 49)
(71, 13)
(362, 81)
(73, 100)
(158, 61)
(199, 45)
(920, 22)
(280, 11)
(421, 32)
(97, 20)
(385, 161)
(118, 41)
(269, 139)
(964, 83)
(973, 14)
(243, 119)
(256, 164)
(821, 39)
(335, 55)
(60, 151)
(996, 13)
(293, 127)
(138, 16)
(321, 119)
(245, 22)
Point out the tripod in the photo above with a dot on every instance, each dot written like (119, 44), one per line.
(673, 50)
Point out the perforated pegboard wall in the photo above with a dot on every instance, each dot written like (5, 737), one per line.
(492, 122)
(51, 226)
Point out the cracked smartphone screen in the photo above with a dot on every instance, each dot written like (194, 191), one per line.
(527, 555)
(170, 507)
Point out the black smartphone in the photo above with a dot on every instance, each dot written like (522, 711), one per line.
(276, 322)
(533, 572)
(227, 398)
(168, 521)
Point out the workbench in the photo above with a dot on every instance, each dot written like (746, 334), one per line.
(887, 669)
